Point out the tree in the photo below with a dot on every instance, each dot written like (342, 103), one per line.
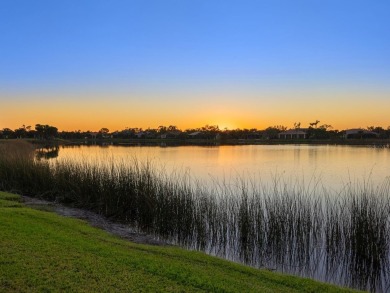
(162, 129)
(326, 127)
(210, 128)
(382, 133)
(7, 133)
(320, 132)
(172, 128)
(273, 131)
(51, 131)
(104, 130)
(20, 132)
(46, 131)
(40, 130)
(314, 123)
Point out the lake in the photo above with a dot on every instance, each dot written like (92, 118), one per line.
(309, 210)
(333, 166)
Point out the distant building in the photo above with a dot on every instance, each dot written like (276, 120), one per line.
(204, 135)
(195, 134)
(93, 134)
(170, 134)
(145, 134)
(360, 133)
(299, 133)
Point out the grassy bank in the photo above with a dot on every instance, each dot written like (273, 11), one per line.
(341, 237)
(42, 252)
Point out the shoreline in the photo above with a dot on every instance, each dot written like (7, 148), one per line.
(95, 220)
(384, 143)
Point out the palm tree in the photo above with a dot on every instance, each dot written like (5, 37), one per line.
(314, 123)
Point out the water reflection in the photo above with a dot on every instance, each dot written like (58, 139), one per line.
(334, 165)
(47, 152)
(341, 240)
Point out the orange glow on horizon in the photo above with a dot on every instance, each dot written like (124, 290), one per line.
(78, 112)
(113, 124)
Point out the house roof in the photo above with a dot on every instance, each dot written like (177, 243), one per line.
(195, 133)
(359, 130)
(174, 132)
(294, 131)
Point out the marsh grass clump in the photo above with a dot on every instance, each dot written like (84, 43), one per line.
(18, 171)
(367, 237)
(288, 226)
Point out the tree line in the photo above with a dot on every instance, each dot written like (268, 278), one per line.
(314, 130)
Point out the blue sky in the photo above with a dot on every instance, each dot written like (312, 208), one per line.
(250, 49)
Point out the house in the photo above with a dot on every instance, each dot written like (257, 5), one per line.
(170, 134)
(93, 134)
(141, 134)
(360, 133)
(299, 133)
(204, 135)
(145, 134)
(195, 134)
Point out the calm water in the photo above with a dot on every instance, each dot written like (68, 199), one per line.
(333, 166)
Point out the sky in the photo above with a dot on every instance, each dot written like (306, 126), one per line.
(248, 64)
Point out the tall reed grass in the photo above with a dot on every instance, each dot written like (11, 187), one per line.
(338, 237)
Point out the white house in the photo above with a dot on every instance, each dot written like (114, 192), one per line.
(298, 133)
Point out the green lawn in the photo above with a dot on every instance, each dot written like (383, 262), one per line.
(43, 252)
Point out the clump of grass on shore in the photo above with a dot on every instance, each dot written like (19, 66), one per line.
(342, 238)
